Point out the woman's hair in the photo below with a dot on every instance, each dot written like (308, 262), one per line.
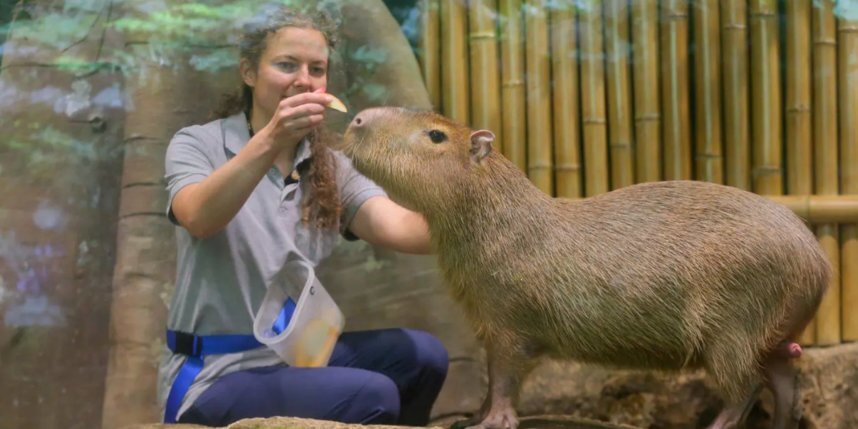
(321, 206)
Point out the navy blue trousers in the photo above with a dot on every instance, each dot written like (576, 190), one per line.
(389, 376)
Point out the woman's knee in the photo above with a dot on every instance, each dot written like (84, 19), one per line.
(377, 402)
(430, 355)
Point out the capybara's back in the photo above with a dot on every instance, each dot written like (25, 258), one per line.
(671, 275)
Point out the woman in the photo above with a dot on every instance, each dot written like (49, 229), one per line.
(250, 189)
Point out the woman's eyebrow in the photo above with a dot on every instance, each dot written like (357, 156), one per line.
(290, 57)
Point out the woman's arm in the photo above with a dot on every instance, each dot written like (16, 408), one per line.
(204, 208)
(382, 222)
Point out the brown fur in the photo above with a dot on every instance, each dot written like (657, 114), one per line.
(666, 275)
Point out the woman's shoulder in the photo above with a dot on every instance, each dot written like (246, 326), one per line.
(211, 134)
(209, 129)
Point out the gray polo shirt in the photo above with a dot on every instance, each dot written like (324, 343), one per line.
(221, 280)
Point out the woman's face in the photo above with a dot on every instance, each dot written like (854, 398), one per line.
(295, 61)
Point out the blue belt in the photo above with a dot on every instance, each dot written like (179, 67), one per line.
(196, 347)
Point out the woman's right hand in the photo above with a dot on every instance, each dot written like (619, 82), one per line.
(295, 117)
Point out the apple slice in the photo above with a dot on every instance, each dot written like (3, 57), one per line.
(336, 104)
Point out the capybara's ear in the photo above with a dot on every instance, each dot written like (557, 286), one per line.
(481, 144)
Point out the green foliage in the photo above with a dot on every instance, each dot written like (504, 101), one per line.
(847, 9)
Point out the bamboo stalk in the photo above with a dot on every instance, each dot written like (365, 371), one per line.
(540, 162)
(849, 278)
(821, 209)
(430, 50)
(766, 99)
(593, 98)
(513, 111)
(708, 156)
(566, 122)
(674, 90)
(825, 157)
(485, 80)
(454, 54)
(798, 113)
(734, 44)
(620, 137)
(848, 106)
(646, 89)
(798, 135)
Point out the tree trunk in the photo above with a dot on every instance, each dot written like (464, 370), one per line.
(59, 169)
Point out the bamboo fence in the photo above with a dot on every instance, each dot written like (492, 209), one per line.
(586, 96)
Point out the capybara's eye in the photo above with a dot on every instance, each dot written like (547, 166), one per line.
(437, 136)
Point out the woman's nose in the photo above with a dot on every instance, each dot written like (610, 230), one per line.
(302, 77)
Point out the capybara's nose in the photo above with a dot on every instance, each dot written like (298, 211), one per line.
(365, 117)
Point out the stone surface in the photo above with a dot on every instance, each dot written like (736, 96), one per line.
(536, 422)
(828, 380)
(564, 395)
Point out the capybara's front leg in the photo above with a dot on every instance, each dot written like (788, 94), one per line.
(507, 366)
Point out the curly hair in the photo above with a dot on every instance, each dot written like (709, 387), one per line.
(321, 206)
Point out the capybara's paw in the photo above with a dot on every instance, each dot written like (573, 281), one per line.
(499, 419)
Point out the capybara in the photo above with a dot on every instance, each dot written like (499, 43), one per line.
(667, 275)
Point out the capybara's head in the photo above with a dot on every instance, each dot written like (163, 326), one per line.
(417, 157)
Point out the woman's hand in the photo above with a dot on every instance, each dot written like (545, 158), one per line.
(295, 117)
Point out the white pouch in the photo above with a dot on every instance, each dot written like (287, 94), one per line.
(316, 323)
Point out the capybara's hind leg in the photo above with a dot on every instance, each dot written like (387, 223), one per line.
(732, 416)
(736, 373)
(782, 379)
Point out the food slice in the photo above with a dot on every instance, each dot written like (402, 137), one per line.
(336, 104)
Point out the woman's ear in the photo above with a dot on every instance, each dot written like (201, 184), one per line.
(248, 72)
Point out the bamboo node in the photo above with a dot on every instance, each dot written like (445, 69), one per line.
(676, 16)
(848, 28)
(649, 117)
(825, 41)
(594, 121)
(709, 156)
(763, 15)
(735, 27)
(567, 167)
(621, 145)
(802, 108)
(482, 35)
(539, 166)
(766, 170)
(512, 83)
